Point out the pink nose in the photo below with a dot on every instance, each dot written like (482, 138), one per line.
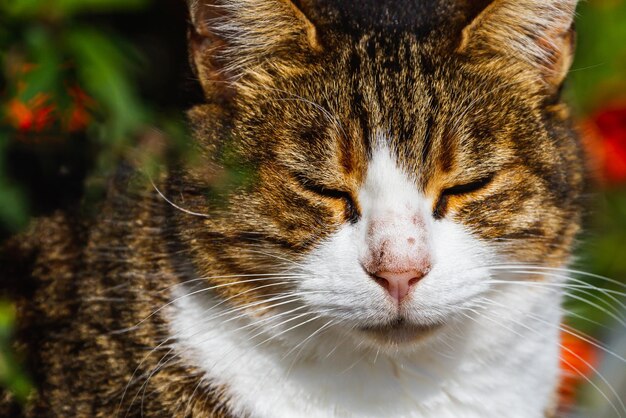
(399, 284)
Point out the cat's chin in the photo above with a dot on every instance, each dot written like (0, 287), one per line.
(400, 333)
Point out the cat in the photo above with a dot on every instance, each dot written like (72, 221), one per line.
(398, 164)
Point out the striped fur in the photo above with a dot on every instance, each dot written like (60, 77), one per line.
(300, 98)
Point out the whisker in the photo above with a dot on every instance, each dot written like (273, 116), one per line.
(278, 257)
(317, 313)
(576, 288)
(132, 402)
(491, 302)
(313, 334)
(295, 296)
(569, 294)
(562, 270)
(132, 377)
(568, 330)
(202, 291)
(232, 276)
(567, 312)
(174, 205)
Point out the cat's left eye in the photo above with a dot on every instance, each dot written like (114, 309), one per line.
(441, 208)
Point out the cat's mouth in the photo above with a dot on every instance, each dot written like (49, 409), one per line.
(400, 331)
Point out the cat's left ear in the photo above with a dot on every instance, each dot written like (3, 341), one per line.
(537, 33)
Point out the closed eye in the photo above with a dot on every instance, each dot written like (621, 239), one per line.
(441, 208)
(351, 209)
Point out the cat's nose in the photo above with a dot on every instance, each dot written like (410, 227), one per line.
(397, 255)
(399, 284)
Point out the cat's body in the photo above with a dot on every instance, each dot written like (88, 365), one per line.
(398, 157)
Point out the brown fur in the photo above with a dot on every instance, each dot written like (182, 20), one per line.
(298, 101)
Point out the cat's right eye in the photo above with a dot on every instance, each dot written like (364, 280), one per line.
(441, 208)
(352, 213)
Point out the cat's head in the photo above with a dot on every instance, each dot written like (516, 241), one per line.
(393, 153)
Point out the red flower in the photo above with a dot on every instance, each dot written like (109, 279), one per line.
(78, 116)
(578, 360)
(605, 135)
(41, 115)
(34, 116)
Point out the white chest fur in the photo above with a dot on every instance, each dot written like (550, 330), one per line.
(500, 363)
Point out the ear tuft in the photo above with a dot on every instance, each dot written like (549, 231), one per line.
(536, 32)
(230, 39)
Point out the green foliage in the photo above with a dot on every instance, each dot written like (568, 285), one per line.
(599, 71)
(598, 80)
(10, 374)
(59, 9)
(49, 54)
(13, 208)
(104, 73)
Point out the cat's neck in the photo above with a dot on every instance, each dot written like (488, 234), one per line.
(470, 370)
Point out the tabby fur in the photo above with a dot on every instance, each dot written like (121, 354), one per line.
(299, 95)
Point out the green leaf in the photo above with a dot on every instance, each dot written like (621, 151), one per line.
(13, 208)
(104, 71)
(99, 6)
(59, 9)
(17, 8)
(44, 55)
(11, 375)
(597, 75)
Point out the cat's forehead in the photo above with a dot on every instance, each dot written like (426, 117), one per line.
(399, 94)
(443, 119)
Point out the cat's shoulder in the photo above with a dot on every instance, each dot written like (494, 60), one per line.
(47, 244)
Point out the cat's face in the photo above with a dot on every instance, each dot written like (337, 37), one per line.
(389, 173)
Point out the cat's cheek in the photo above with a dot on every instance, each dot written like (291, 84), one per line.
(460, 273)
(334, 278)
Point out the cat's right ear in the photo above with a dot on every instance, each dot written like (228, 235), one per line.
(237, 44)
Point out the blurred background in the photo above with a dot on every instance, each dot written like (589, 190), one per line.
(83, 81)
